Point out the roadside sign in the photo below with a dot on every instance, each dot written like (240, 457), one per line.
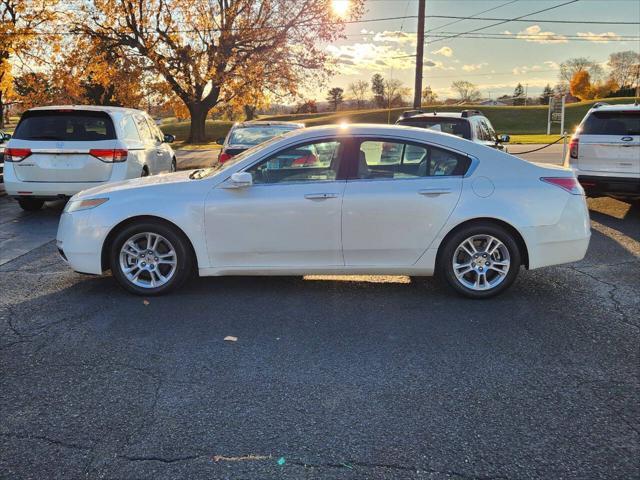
(556, 112)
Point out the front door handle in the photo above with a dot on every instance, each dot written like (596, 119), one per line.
(434, 191)
(158, 152)
(320, 196)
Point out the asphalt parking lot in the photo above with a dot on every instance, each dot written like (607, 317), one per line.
(356, 377)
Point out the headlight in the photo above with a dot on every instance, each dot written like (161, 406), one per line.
(76, 205)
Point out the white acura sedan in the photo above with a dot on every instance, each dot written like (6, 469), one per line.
(368, 199)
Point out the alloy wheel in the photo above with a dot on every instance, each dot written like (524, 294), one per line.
(148, 260)
(481, 262)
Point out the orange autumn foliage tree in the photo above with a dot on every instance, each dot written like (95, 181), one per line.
(581, 86)
(213, 52)
(20, 39)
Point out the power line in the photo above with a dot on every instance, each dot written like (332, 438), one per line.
(510, 20)
(461, 19)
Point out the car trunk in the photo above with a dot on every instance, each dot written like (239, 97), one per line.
(602, 153)
(71, 163)
(610, 142)
(60, 142)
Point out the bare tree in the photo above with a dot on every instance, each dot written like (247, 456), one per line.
(394, 93)
(467, 91)
(625, 68)
(358, 91)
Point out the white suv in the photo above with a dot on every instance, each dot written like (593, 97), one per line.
(55, 152)
(604, 152)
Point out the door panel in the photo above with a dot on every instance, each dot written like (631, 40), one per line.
(275, 225)
(392, 222)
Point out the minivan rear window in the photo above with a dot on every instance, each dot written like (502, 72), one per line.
(72, 125)
(612, 123)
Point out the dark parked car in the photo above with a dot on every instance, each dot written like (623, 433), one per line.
(4, 137)
(469, 124)
(247, 134)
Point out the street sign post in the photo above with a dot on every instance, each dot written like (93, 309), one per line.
(556, 113)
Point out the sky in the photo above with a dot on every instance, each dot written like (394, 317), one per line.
(495, 66)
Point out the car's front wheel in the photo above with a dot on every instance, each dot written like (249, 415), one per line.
(30, 204)
(480, 260)
(150, 258)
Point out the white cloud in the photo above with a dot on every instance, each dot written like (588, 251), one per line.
(551, 64)
(535, 34)
(525, 69)
(395, 37)
(599, 37)
(444, 51)
(351, 59)
(473, 67)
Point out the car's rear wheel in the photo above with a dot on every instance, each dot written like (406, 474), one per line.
(150, 258)
(30, 204)
(174, 165)
(480, 260)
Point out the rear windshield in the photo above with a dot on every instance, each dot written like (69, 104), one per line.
(453, 126)
(75, 125)
(257, 134)
(612, 123)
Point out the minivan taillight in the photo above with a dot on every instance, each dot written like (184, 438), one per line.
(16, 154)
(573, 147)
(570, 184)
(109, 155)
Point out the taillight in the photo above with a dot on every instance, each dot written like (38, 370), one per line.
(223, 157)
(570, 184)
(110, 155)
(573, 147)
(16, 154)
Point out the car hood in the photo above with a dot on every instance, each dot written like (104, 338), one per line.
(136, 183)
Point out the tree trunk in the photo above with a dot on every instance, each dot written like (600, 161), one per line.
(1, 112)
(198, 113)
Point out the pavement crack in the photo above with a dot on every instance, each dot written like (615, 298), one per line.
(160, 459)
(52, 441)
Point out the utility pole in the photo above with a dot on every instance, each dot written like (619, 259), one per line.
(417, 94)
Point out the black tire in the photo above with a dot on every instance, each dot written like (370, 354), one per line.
(30, 204)
(145, 172)
(446, 258)
(183, 257)
(174, 165)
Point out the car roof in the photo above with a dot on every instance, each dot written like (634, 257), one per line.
(436, 114)
(94, 108)
(601, 106)
(270, 123)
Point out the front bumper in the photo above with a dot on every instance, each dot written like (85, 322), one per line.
(79, 242)
(600, 185)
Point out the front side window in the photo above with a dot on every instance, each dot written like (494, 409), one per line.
(378, 159)
(65, 125)
(311, 162)
(489, 131)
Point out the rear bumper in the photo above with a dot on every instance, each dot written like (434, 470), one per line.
(564, 242)
(601, 185)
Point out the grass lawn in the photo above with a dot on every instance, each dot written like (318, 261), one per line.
(527, 139)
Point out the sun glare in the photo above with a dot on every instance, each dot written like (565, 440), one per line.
(340, 7)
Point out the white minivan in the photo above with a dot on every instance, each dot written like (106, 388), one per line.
(55, 152)
(604, 152)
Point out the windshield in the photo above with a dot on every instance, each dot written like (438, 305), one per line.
(70, 125)
(221, 167)
(257, 134)
(453, 126)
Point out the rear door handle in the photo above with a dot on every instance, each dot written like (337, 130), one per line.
(158, 152)
(434, 191)
(320, 196)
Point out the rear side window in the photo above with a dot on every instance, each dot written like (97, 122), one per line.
(129, 129)
(71, 125)
(382, 159)
(612, 123)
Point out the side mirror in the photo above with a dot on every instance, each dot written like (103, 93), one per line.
(6, 137)
(168, 138)
(241, 179)
(220, 141)
(504, 139)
